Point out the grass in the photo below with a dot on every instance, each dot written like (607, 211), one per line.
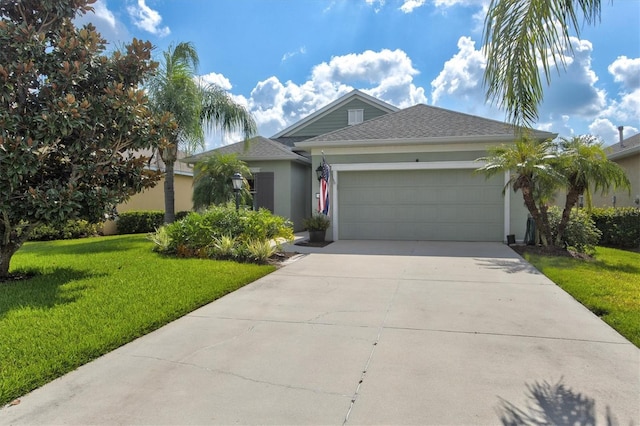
(609, 286)
(93, 295)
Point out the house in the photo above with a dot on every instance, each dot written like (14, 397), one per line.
(395, 174)
(153, 198)
(282, 178)
(627, 154)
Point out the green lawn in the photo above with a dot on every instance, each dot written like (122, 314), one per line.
(93, 295)
(609, 286)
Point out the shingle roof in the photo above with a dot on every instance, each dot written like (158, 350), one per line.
(257, 149)
(628, 146)
(422, 122)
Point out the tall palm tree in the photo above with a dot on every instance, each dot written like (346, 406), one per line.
(519, 34)
(585, 166)
(212, 183)
(532, 172)
(193, 105)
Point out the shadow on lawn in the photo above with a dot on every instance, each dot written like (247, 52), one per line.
(552, 404)
(89, 246)
(43, 290)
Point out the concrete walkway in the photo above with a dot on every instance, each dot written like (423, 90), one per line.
(365, 333)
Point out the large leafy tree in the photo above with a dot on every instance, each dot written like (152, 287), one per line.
(193, 104)
(521, 34)
(212, 183)
(70, 120)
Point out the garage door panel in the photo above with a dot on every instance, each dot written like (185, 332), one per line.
(455, 205)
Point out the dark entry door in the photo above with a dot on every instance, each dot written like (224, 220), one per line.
(264, 190)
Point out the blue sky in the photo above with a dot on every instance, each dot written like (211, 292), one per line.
(285, 59)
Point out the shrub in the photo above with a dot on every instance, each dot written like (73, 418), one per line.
(620, 227)
(581, 234)
(74, 228)
(317, 222)
(143, 221)
(222, 232)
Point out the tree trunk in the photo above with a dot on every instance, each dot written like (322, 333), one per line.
(571, 200)
(6, 252)
(169, 157)
(541, 220)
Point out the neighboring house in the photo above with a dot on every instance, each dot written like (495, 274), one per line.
(627, 154)
(395, 174)
(153, 198)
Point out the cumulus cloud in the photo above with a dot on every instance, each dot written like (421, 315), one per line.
(459, 84)
(147, 19)
(218, 79)
(409, 5)
(626, 71)
(387, 75)
(105, 22)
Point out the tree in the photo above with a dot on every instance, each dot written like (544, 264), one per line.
(530, 164)
(193, 104)
(584, 164)
(212, 183)
(70, 120)
(519, 35)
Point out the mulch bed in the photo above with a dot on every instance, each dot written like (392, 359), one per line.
(549, 251)
(16, 277)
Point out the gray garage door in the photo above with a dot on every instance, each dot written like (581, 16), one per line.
(437, 205)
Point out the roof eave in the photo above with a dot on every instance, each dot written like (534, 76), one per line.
(415, 141)
(624, 153)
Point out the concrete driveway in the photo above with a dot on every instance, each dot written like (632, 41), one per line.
(365, 332)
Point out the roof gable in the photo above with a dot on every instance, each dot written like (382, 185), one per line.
(313, 125)
(422, 122)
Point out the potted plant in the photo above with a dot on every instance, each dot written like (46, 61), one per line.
(317, 226)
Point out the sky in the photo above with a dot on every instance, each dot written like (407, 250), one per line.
(285, 59)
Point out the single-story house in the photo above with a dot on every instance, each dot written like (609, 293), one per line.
(627, 154)
(396, 174)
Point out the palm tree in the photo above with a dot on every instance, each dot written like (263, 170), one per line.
(518, 35)
(585, 166)
(212, 184)
(193, 105)
(532, 172)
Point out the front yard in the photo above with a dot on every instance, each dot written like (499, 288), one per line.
(609, 285)
(90, 296)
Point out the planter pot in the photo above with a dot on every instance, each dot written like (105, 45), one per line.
(316, 236)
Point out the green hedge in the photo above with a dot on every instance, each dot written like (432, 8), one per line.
(143, 221)
(69, 230)
(620, 227)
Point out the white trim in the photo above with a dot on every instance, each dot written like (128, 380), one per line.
(474, 139)
(433, 165)
(420, 165)
(507, 205)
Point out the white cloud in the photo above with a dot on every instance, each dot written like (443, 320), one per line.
(105, 22)
(217, 79)
(409, 5)
(301, 51)
(377, 4)
(147, 19)
(387, 75)
(626, 71)
(461, 76)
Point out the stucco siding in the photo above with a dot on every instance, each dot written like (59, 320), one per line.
(153, 199)
(624, 198)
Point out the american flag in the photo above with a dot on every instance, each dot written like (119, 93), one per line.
(323, 201)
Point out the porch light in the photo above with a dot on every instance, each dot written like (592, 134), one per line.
(319, 172)
(237, 181)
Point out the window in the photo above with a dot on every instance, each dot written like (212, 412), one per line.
(356, 116)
